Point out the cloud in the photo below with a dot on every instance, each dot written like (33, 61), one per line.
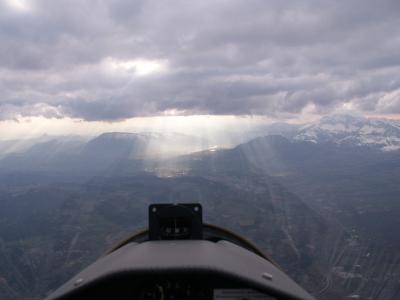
(112, 60)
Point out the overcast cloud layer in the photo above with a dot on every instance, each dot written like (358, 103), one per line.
(110, 60)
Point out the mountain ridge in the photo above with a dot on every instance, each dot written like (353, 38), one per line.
(354, 130)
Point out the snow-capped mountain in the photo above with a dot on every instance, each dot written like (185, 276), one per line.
(353, 130)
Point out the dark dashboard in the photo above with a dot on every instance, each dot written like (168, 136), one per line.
(171, 287)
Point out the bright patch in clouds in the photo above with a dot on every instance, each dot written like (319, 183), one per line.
(140, 67)
(20, 5)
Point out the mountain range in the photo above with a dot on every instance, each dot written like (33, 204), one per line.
(343, 130)
(350, 130)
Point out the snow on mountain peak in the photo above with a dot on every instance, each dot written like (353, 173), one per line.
(352, 130)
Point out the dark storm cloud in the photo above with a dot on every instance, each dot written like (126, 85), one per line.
(66, 57)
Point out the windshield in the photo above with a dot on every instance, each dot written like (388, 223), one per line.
(281, 118)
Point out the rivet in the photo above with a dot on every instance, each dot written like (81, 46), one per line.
(267, 276)
(78, 281)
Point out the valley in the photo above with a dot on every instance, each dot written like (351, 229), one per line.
(327, 212)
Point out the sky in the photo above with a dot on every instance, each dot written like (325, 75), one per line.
(72, 65)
